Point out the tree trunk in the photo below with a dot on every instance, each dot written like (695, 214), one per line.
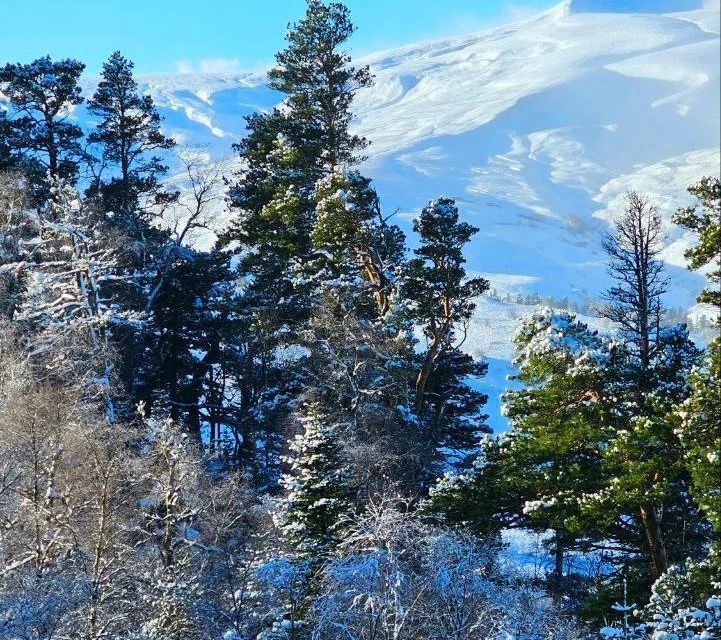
(371, 273)
(654, 537)
(439, 333)
(423, 376)
(557, 576)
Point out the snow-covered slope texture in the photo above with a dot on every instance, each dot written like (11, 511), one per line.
(537, 129)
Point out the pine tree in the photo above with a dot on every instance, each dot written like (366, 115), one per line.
(289, 150)
(700, 414)
(41, 95)
(440, 301)
(696, 423)
(127, 192)
(128, 132)
(289, 157)
(554, 449)
(13, 159)
(316, 485)
(670, 613)
(8, 157)
(536, 475)
(649, 375)
(707, 224)
(485, 498)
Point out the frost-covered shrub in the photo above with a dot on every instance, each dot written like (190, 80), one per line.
(671, 614)
(373, 587)
(280, 590)
(398, 578)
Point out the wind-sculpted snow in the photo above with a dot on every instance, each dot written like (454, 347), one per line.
(454, 86)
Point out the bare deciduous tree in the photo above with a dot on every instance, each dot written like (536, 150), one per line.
(634, 300)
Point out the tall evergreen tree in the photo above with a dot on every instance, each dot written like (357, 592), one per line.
(288, 157)
(440, 301)
(697, 424)
(287, 151)
(129, 134)
(41, 96)
(128, 196)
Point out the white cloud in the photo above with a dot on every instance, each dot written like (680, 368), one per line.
(210, 65)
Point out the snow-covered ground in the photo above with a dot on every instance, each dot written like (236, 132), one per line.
(537, 128)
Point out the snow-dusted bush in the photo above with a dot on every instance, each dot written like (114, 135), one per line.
(281, 590)
(397, 577)
(670, 613)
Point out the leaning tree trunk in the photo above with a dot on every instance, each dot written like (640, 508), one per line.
(372, 273)
(439, 334)
(654, 537)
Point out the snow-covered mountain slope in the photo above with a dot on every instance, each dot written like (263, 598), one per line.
(537, 129)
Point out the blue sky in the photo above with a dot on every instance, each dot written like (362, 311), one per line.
(170, 35)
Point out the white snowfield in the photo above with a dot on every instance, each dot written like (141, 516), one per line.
(537, 128)
(458, 85)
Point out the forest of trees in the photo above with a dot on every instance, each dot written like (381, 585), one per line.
(281, 437)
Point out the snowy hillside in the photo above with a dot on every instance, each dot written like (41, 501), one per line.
(537, 128)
